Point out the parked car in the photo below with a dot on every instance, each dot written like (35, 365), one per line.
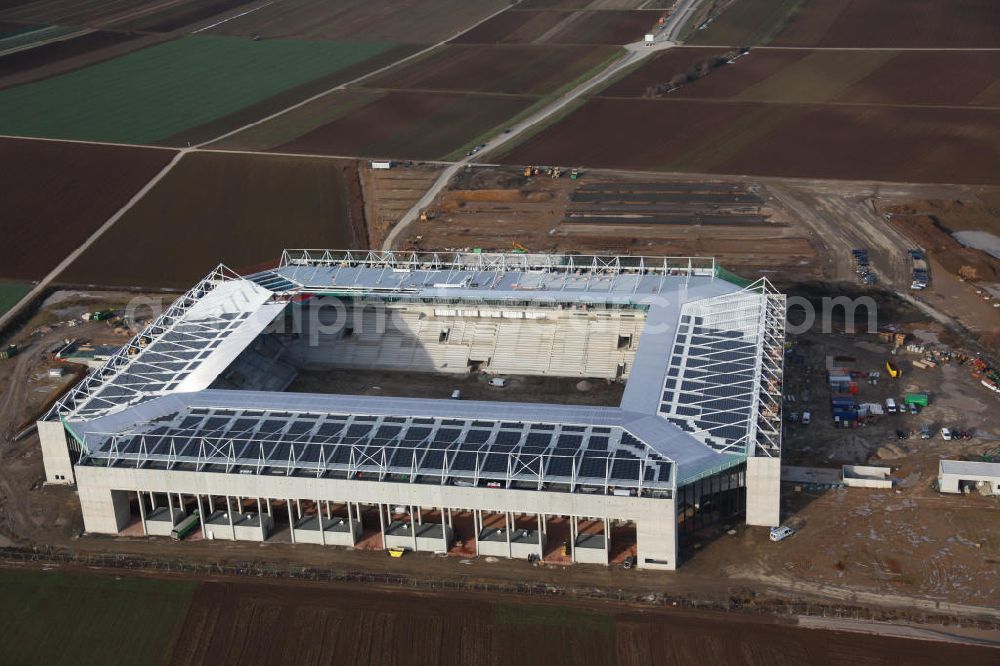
(946, 434)
(781, 533)
(806, 418)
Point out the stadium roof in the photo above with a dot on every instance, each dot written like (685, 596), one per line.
(703, 394)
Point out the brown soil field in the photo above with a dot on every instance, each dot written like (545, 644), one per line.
(389, 194)
(175, 17)
(57, 194)
(518, 69)
(660, 68)
(403, 21)
(62, 56)
(594, 4)
(106, 13)
(923, 145)
(918, 144)
(410, 125)
(271, 105)
(560, 27)
(242, 210)
(266, 623)
(857, 77)
(894, 23)
(931, 77)
(626, 134)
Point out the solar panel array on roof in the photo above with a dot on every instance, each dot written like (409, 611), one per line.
(710, 385)
(417, 448)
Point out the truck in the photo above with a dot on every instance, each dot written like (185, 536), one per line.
(9, 352)
(185, 527)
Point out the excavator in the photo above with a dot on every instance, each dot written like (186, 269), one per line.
(517, 248)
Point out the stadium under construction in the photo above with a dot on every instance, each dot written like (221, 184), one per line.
(192, 423)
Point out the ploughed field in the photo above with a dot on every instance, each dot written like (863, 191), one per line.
(561, 27)
(890, 115)
(55, 195)
(958, 24)
(241, 210)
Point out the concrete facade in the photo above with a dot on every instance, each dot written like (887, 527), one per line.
(954, 476)
(764, 491)
(103, 497)
(55, 453)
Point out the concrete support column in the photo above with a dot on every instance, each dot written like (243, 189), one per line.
(607, 537)
(545, 524)
(229, 512)
(477, 528)
(319, 518)
(211, 504)
(350, 523)
(152, 500)
(142, 513)
(270, 513)
(413, 528)
(201, 517)
(508, 519)
(541, 546)
(361, 522)
(573, 527)
(444, 530)
(170, 508)
(298, 509)
(291, 520)
(420, 515)
(260, 519)
(381, 524)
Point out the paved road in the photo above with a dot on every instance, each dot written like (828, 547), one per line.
(634, 54)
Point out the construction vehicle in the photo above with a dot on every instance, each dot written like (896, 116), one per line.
(574, 174)
(397, 552)
(9, 352)
(100, 315)
(527, 172)
(893, 370)
(424, 216)
(518, 248)
(185, 527)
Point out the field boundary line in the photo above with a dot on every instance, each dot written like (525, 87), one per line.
(848, 48)
(792, 102)
(75, 254)
(232, 18)
(52, 40)
(139, 146)
(354, 81)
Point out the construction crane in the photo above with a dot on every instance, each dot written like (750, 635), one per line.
(518, 248)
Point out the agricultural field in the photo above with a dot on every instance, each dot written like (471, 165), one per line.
(397, 124)
(401, 21)
(511, 69)
(855, 24)
(165, 90)
(11, 293)
(775, 139)
(55, 617)
(561, 27)
(58, 617)
(163, 15)
(57, 194)
(58, 57)
(242, 210)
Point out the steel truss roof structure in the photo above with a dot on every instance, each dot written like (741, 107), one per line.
(718, 376)
(420, 449)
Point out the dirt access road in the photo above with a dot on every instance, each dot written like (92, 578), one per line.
(635, 53)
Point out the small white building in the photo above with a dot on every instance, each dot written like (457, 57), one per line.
(956, 476)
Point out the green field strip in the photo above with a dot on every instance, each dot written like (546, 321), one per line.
(160, 91)
(747, 23)
(819, 77)
(53, 617)
(11, 293)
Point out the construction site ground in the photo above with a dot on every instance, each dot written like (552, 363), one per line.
(811, 228)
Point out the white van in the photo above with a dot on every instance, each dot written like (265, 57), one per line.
(946, 434)
(806, 418)
(499, 382)
(781, 533)
(890, 405)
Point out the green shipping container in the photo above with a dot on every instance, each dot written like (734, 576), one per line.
(916, 399)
